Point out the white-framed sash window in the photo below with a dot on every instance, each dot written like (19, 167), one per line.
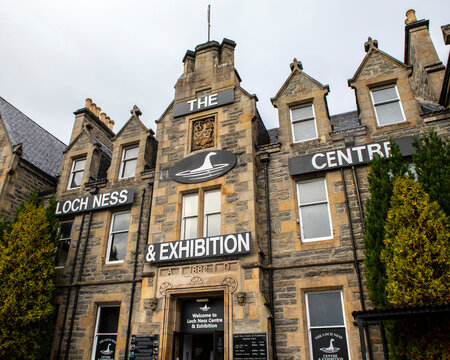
(105, 337)
(387, 105)
(129, 162)
(76, 174)
(303, 123)
(118, 237)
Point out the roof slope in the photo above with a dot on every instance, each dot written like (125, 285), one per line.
(40, 148)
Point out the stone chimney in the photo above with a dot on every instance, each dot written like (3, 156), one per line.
(421, 54)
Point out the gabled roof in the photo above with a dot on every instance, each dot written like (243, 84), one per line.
(135, 113)
(40, 148)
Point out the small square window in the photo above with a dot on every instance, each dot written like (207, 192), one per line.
(313, 209)
(65, 231)
(387, 105)
(129, 162)
(303, 123)
(118, 237)
(76, 174)
(106, 332)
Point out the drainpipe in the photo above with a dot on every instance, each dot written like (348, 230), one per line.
(69, 291)
(133, 283)
(77, 287)
(358, 197)
(355, 259)
(265, 158)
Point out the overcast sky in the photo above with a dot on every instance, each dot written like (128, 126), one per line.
(56, 53)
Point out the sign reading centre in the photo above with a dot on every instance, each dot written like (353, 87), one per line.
(203, 103)
(95, 202)
(223, 245)
(356, 155)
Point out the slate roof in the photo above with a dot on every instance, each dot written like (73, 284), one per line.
(347, 120)
(40, 148)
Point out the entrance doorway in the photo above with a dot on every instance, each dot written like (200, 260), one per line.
(202, 330)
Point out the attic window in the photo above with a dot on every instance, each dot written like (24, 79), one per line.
(303, 123)
(387, 106)
(129, 162)
(76, 174)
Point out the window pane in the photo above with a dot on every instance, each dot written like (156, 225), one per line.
(315, 221)
(190, 205)
(129, 168)
(302, 113)
(384, 94)
(121, 222)
(109, 319)
(190, 228)
(311, 191)
(131, 153)
(304, 130)
(389, 113)
(61, 255)
(325, 309)
(76, 179)
(66, 230)
(79, 165)
(212, 201)
(212, 225)
(118, 247)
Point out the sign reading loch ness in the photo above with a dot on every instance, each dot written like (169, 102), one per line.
(95, 202)
(203, 166)
(203, 103)
(214, 246)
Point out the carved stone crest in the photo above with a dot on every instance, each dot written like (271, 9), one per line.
(203, 133)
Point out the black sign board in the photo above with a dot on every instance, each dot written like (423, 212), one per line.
(144, 347)
(203, 166)
(106, 347)
(204, 317)
(329, 343)
(356, 155)
(95, 202)
(250, 346)
(203, 103)
(214, 246)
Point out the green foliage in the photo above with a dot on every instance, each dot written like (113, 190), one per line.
(27, 288)
(417, 251)
(380, 178)
(432, 160)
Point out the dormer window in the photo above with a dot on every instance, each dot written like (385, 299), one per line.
(129, 162)
(387, 105)
(76, 174)
(303, 123)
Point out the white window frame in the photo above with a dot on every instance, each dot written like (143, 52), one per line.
(299, 205)
(397, 100)
(96, 333)
(110, 237)
(124, 161)
(183, 216)
(60, 240)
(329, 326)
(205, 215)
(73, 172)
(301, 120)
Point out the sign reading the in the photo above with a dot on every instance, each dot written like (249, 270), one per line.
(106, 347)
(95, 202)
(329, 344)
(203, 103)
(203, 166)
(356, 155)
(144, 347)
(202, 317)
(250, 346)
(223, 245)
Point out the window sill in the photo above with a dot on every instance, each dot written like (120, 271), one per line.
(317, 244)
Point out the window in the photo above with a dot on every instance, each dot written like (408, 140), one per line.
(386, 102)
(117, 244)
(76, 175)
(326, 325)
(106, 332)
(129, 162)
(210, 214)
(303, 123)
(313, 209)
(65, 231)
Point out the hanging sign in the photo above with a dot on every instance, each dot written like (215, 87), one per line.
(95, 202)
(214, 246)
(329, 344)
(203, 103)
(202, 317)
(356, 155)
(106, 347)
(250, 346)
(203, 166)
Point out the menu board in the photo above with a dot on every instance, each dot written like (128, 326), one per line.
(250, 346)
(144, 347)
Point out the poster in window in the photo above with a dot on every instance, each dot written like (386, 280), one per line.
(106, 347)
(329, 343)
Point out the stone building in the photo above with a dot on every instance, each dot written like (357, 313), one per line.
(219, 239)
(30, 158)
